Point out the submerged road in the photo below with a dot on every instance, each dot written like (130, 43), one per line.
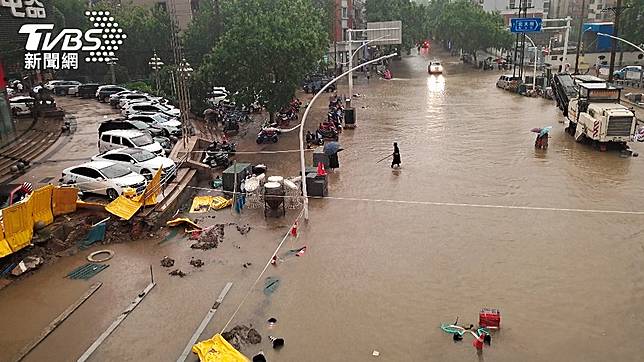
(487, 221)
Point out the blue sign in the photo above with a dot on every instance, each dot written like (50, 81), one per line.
(525, 25)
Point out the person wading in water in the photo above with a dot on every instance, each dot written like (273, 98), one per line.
(396, 160)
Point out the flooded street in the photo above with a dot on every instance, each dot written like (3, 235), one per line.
(383, 275)
(476, 217)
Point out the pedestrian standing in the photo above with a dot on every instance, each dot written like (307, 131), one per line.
(396, 160)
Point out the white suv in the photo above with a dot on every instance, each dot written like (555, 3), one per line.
(150, 107)
(115, 139)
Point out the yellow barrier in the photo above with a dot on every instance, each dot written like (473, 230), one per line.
(217, 349)
(41, 201)
(18, 224)
(4, 245)
(63, 200)
(123, 207)
(152, 190)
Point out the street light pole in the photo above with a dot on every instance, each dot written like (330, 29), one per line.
(349, 31)
(581, 26)
(306, 113)
(365, 44)
(624, 40)
(534, 74)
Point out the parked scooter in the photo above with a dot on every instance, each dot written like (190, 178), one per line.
(314, 139)
(216, 159)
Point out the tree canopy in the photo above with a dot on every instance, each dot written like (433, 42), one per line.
(267, 48)
(632, 22)
(202, 32)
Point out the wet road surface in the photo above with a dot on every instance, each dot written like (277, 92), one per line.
(382, 275)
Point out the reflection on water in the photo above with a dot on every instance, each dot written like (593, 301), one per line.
(436, 83)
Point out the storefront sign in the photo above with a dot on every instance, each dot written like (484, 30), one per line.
(100, 43)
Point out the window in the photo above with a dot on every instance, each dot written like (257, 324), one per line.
(117, 157)
(345, 37)
(116, 140)
(127, 143)
(162, 5)
(115, 171)
(512, 4)
(105, 138)
(345, 12)
(599, 6)
(142, 140)
(529, 3)
(86, 172)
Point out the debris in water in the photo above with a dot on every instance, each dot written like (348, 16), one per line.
(167, 262)
(271, 322)
(246, 265)
(178, 273)
(375, 353)
(197, 263)
(277, 342)
(244, 229)
(259, 357)
(28, 263)
(271, 285)
(210, 237)
(242, 335)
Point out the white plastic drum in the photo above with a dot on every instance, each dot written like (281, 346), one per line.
(278, 179)
(254, 197)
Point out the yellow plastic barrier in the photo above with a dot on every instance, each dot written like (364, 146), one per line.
(63, 200)
(152, 190)
(123, 207)
(217, 349)
(205, 203)
(18, 224)
(5, 249)
(41, 203)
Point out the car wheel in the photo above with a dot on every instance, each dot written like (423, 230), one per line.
(274, 139)
(112, 194)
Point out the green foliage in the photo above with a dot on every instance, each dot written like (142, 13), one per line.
(70, 14)
(203, 32)
(468, 26)
(140, 86)
(267, 49)
(631, 25)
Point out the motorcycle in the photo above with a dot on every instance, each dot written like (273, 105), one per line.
(216, 159)
(224, 146)
(314, 139)
(268, 134)
(328, 131)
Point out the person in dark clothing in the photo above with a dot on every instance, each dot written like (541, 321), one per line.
(396, 160)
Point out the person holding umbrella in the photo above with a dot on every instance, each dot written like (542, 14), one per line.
(331, 149)
(396, 160)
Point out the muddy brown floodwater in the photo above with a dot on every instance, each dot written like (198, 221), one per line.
(393, 254)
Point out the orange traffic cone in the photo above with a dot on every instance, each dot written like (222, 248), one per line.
(294, 230)
(321, 170)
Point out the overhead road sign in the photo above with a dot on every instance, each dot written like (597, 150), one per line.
(525, 25)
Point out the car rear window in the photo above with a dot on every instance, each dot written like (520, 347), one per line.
(115, 171)
(142, 140)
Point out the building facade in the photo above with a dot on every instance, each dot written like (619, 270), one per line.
(347, 14)
(184, 9)
(573, 8)
(510, 8)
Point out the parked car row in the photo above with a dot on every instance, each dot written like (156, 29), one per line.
(132, 148)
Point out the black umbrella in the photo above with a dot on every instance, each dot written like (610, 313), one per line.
(331, 148)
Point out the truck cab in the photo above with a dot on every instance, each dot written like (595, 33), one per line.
(597, 115)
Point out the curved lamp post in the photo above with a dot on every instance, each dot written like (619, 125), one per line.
(624, 40)
(306, 113)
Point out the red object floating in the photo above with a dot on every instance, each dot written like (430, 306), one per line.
(490, 318)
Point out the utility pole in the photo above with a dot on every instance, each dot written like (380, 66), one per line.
(579, 36)
(617, 10)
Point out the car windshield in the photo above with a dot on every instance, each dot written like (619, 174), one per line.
(115, 171)
(142, 140)
(140, 124)
(143, 156)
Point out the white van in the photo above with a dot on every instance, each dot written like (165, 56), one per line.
(112, 140)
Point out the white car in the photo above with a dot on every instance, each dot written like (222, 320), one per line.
(124, 100)
(103, 178)
(52, 83)
(170, 125)
(115, 98)
(150, 107)
(140, 161)
(21, 105)
(435, 67)
(217, 95)
(115, 139)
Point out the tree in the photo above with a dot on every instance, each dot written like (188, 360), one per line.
(631, 25)
(202, 32)
(267, 49)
